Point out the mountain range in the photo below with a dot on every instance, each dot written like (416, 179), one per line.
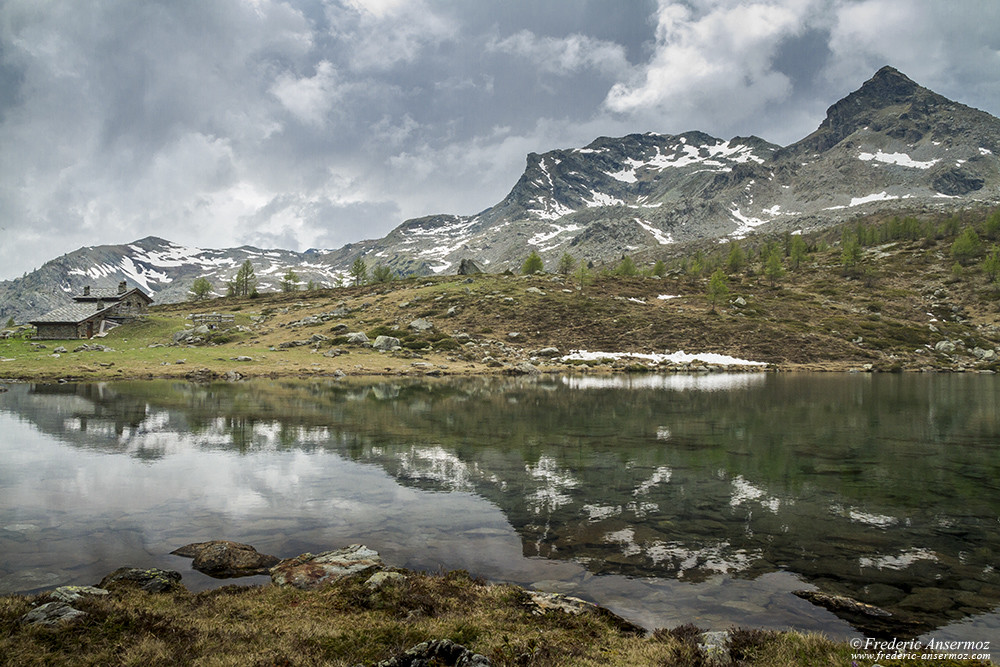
(890, 145)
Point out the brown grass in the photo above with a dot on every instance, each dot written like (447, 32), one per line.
(347, 624)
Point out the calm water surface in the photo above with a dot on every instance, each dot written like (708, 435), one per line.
(668, 499)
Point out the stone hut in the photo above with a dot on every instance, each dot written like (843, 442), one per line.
(93, 312)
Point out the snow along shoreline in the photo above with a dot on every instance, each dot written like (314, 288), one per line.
(679, 357)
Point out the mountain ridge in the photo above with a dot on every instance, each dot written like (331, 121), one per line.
(891, 144)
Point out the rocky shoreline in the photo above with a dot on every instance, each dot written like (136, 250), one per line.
(354, 582)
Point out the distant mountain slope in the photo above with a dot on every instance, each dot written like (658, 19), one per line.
(890, 144)
(159, 267)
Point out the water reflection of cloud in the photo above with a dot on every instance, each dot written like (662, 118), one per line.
(438, 465)
(671, 382)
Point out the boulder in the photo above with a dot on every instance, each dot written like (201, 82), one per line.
(380, 579)
(357, 338)
(310, 571)
(223, 559)
(51, 614)
(151, 580)
(420, 324)
(69, 594)
(386, 343)
(294, 343)
(945, 346)
(468, 267)
(521, 368)
(543, 603)
(547, 352)
(443, 652)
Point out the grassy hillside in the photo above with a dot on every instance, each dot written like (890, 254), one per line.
(879, 294)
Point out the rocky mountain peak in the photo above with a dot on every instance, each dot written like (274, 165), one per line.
(887, 98)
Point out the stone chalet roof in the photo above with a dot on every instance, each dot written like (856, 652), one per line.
(73, 313)
(109, 294)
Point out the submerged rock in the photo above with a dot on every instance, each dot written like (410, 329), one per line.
(223, 559)
(310, 571)
(841, 603)
(871, 620)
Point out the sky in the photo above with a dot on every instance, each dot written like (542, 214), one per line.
(302, 124)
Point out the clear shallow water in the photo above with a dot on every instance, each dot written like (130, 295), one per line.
(669, 499)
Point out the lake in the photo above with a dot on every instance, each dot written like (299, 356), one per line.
(667, 498)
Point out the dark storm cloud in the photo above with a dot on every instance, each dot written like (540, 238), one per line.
(314, 123)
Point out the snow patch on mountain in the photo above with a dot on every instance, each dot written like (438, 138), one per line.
(143, 276)
(900, 159)
(543, 237)
(661, 238)
(551, 209)
(602, 199)
(747, 224)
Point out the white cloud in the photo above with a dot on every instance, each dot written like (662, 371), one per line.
(383, 34)
(928, 40)
(308, 98)
(564, 55)
(713, 60)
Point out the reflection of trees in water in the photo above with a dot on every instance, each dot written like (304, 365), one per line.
(848, 481)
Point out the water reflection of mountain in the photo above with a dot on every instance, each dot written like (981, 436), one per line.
(883, 488)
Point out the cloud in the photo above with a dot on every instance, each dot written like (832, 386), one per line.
(383, 34)
(712, 61)
(308, 98)
(294, 221)
(564, 55)
(946, 50)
